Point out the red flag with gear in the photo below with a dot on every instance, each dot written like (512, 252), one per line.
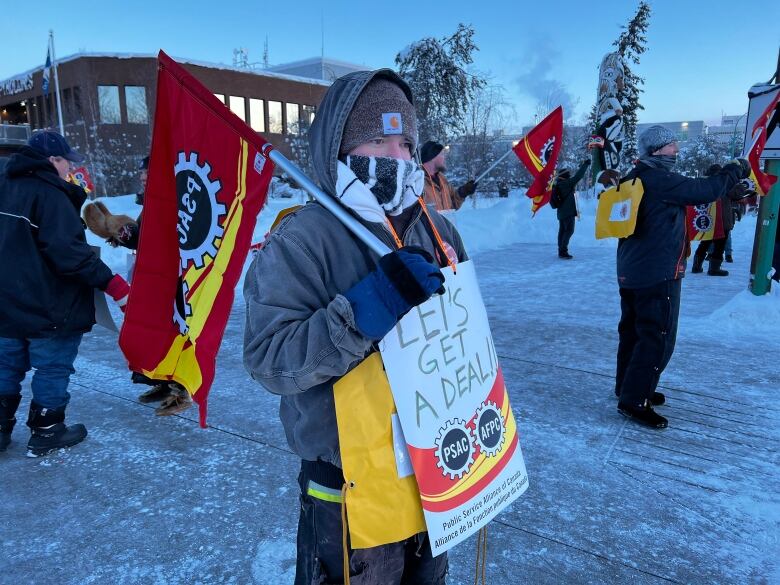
(538, 151)
(762, 182)
(207, 183)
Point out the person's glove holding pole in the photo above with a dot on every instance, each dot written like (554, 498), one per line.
(469, 188)
(404, 279)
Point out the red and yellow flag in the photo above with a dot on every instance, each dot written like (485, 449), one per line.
(762, 182)
(538, 151)
(207, 183)
(81, 177)
(705, 222)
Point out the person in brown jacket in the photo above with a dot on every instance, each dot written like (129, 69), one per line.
(438, 191)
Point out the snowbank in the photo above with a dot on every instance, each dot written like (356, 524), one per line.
(744, 316)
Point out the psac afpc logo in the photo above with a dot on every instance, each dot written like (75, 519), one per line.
(198, 225)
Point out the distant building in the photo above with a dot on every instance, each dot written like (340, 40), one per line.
(108, 107)
(685, 131)
(317, 68)
(731, 131)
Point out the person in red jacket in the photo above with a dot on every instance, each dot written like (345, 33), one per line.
(48, 274)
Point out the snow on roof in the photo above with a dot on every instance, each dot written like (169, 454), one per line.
(314, 61)
(209, 65)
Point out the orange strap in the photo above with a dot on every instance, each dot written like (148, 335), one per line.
(436, 234)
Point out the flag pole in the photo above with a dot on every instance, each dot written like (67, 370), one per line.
(56, 82)
(326, 200)
(494, 165)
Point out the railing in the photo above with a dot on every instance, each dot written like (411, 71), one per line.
(15, 134)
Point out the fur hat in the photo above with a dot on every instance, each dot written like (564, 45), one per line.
(382, 109)
(655, 138)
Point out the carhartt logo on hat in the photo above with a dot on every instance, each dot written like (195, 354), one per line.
(392, 123)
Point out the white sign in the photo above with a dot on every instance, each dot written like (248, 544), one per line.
(454, 410)
(761, 95)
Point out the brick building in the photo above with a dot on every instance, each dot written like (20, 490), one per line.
(108, 107)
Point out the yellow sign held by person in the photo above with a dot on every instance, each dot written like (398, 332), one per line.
(381, 506)
(618, 209)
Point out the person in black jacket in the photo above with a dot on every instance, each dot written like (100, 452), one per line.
(563, 200)
(650, 264)
(47, 276)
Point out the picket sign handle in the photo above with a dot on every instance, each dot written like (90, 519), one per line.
(494, 165)
(357, 228)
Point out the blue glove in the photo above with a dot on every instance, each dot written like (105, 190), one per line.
(404, 279)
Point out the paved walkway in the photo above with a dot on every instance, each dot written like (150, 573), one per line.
(157, 500)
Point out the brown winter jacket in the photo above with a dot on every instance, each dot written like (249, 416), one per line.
(440, 194)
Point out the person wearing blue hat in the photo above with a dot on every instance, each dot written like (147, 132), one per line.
(47, 276)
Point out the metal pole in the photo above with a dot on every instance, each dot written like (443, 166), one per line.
(56, 83)
(494, 165)
(326, 200)
(766, 229)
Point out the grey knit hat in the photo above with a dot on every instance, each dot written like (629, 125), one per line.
(382, 109)
(655, 138)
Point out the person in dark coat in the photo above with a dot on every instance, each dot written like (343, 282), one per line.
(717, 246)
(650, 266)
(563, 200)
(48, 274)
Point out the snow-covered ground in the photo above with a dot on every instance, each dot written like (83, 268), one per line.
(157, 500)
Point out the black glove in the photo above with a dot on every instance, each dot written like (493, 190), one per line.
(587, 162)
(744, 166)
(739, 192)
(467, 189)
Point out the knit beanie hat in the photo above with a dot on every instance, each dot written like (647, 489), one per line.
(655, 138)
(382, 109)
(429, 151)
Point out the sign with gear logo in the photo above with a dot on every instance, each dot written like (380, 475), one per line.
(454, 409)
(705, 221)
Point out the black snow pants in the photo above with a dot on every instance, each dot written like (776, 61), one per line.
(565, 232)
(320, 550)
(648, 331)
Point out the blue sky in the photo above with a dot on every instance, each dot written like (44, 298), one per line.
(702, 57)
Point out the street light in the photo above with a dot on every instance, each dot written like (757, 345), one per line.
(734, 135)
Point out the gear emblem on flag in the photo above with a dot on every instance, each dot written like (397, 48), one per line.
(198, 227)
(455, 452)
(490, 429)
(547, 150)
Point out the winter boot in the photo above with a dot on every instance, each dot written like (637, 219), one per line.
(565, 255)
(49, 431)
(8, 406)
(643, 414)
(657, 399)
(155, 394)
(698, 264)
(729, 258)
(178, 400)
(715, 270)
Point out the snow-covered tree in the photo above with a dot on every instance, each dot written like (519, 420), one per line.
(697, 156)
(436, 70)
(631, 44)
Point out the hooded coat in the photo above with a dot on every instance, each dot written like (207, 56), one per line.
(47, 269)
(300, 335)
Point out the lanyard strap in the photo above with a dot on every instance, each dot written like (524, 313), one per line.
(437, 239)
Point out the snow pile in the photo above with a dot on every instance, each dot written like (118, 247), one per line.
(744, 316)
(496, 223)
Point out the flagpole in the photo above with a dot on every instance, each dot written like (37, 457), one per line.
(56, 82)
(326, 200)
(494, 165)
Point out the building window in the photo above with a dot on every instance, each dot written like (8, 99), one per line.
(238, 106)
(108, 104)
(308, 115)
(220, 97)
(256, 115)
(135, 101)
(292, 119)
(275, 117)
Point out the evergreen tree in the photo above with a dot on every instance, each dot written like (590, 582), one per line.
(435, 69)
(631, 44)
